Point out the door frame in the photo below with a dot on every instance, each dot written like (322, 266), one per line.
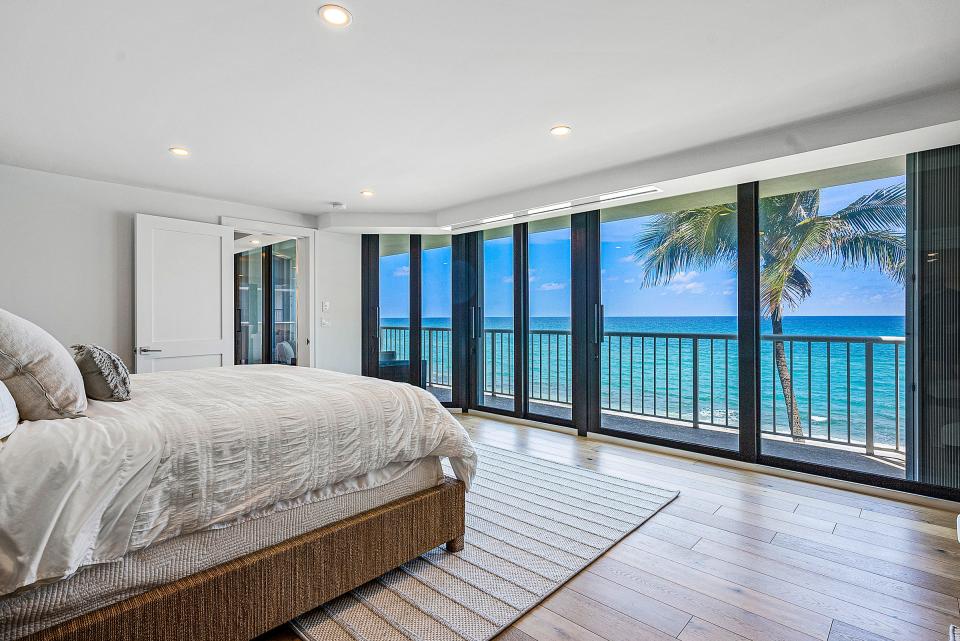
(310, 290)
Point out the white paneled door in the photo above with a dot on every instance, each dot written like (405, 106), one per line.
(184, 294)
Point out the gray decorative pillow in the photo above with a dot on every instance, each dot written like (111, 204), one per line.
(105, 375)
(42, 378)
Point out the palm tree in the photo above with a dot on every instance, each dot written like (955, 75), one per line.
(867, 233)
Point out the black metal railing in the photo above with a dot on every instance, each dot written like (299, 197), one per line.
(435, 346)
(435, 350)
(693, 378)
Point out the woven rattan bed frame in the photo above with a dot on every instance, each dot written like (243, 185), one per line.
(248, 596)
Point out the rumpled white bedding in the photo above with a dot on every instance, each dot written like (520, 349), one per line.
(200, 449)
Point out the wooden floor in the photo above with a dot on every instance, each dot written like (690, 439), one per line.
(744, 555)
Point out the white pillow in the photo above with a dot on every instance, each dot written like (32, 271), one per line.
(38, 371)
(9, 417)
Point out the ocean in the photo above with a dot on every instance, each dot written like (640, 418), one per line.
(644, 372)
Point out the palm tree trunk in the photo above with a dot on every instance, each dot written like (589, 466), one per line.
(786, 381)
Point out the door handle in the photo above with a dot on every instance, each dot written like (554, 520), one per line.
(144, 350)
(596, 325)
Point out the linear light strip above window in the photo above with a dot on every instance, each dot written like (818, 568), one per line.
(549, 208)
(557, 207)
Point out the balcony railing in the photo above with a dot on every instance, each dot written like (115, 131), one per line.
(435, 347)
(847, 389)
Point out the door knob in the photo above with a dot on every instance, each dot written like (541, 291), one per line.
(144, 350)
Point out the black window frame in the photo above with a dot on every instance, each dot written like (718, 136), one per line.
(370, 313)
(587, 326)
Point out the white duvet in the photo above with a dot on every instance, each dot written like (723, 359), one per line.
(201, 449)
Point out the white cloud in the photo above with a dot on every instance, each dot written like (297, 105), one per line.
(402, 271)
(508, 279)
(727, 292)
(549, 287)
(687, 288)
(686, 283)
(629, 280)
(627, 259)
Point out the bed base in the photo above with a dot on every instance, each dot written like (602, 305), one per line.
(253, 594)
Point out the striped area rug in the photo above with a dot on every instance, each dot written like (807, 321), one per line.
(531, 525)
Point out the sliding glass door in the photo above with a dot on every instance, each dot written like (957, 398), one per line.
(832, 355)
(807, 322)
(437, 311)
(668, 358)
(549, 328)
(497, 340)
(394, 307)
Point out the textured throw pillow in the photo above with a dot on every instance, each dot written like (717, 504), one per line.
(105, 376)
(39, 372)
(9, 416)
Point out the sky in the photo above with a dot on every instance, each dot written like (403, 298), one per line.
(836, 292)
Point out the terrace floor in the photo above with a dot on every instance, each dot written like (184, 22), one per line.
(849, 458)
(444, 394)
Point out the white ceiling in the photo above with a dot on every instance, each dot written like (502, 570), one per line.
(433, 103)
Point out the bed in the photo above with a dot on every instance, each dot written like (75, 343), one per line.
(218, 504)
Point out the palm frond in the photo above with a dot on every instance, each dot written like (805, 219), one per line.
(863, 234)
(882, 249)
(686, 240)
(883, 209)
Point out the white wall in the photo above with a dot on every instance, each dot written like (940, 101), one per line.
(338, 281)
(66, 259)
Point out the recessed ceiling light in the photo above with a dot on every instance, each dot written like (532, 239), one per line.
(179, 151)
(254, 242)
(561, 130)
(334, 14)
(367, 193)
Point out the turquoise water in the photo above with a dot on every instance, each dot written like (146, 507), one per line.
(655, 375)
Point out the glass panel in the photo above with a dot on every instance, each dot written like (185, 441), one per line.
(668, 360)
(437, 308)
(549, 370)
(497, 304)
(248, 342)
(395, 307)
(832, 259)
(283, 273)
